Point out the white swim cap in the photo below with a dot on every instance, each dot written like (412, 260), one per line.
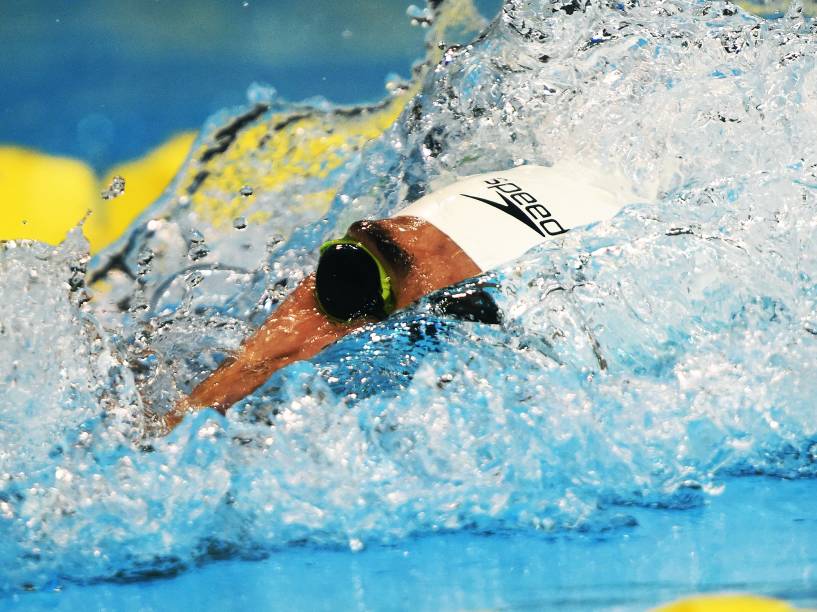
(497, 216)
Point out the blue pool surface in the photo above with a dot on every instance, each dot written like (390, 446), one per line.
(760, 536)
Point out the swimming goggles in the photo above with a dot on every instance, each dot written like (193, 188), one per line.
(351, 283)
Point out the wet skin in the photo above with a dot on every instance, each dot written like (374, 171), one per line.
(418, 258)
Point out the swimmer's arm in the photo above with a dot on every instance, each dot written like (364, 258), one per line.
(296, 330)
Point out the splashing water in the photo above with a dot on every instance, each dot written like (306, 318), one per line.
(637, 362)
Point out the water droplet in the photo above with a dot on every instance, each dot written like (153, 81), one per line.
(143, 261)
(420, 16)
(115, 189)
(194, 278)
(246, 191)
(273, 242)
(240, 223)
(355, 545)
(197, 249)
(198, 252)
(444, 380)
(145, 256)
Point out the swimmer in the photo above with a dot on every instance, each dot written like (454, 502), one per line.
(382, 266)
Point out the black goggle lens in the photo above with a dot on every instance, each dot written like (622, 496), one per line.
(347, 283)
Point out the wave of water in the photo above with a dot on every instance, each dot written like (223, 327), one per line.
(638, 360)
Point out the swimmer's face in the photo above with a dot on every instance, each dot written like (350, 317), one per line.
(418, 257)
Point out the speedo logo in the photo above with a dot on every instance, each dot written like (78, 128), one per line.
(522, 206)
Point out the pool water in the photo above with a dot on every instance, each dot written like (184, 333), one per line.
(129, 76)
(639, 426)
(661, 555)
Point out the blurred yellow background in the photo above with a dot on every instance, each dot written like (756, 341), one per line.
(98, 88)
(44, 196)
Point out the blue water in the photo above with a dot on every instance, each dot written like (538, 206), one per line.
(105, 82)
(658, 556)
(640, 425)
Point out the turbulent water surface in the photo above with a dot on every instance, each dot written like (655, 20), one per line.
(639, 362)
